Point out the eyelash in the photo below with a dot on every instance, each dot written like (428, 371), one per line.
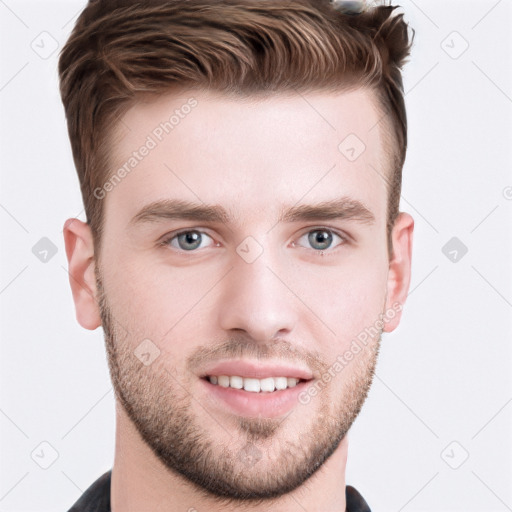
(329, 251)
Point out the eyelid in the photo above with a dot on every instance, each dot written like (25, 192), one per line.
(340, 233)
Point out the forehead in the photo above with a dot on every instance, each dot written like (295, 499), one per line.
(254, 152)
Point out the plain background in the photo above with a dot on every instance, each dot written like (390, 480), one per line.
(436, 431)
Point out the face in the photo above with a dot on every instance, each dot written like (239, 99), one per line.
(245, 248)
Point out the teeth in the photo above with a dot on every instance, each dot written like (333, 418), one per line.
(236, 382)
(292, 382)
(281, 382)
(267, 384)
(252, 385)
(223, 381)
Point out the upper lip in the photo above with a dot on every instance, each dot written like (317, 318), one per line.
(256, 370)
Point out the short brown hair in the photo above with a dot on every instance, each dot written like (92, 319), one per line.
(121, 49)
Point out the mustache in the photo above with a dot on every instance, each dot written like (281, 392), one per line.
(241, 347)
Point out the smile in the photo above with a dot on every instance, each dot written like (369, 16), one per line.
(266, 385)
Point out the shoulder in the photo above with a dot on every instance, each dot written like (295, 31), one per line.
(97, 496)
(355, 502)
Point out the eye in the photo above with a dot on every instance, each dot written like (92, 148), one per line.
(322, 239)
(187, 240)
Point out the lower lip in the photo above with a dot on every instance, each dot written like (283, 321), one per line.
(250, 404)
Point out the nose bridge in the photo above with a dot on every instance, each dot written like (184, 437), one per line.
(254, 297)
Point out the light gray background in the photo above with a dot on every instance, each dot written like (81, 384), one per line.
(443, 387)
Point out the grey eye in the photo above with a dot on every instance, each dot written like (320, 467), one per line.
(189, 240)
(321, 239)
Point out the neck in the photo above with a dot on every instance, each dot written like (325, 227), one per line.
(141, 482)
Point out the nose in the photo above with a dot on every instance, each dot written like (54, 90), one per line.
(255, 299)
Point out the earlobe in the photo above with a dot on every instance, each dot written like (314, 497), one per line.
(399, 275)
(80, 254)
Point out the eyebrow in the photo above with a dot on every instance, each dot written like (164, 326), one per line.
(342, 208)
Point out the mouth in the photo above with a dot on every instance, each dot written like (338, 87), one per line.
(253, 385)
(250, 389)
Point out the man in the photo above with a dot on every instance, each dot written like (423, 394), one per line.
(240, 164)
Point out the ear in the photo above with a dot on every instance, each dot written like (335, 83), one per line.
(80, 253)
(399, 274)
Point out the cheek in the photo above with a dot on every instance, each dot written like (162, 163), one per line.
(156, 301)
(348, 297)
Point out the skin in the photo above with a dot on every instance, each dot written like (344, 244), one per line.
(294, 303)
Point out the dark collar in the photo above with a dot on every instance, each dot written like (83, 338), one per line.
(97, 498)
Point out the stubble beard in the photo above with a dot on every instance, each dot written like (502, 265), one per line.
(235, 470)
